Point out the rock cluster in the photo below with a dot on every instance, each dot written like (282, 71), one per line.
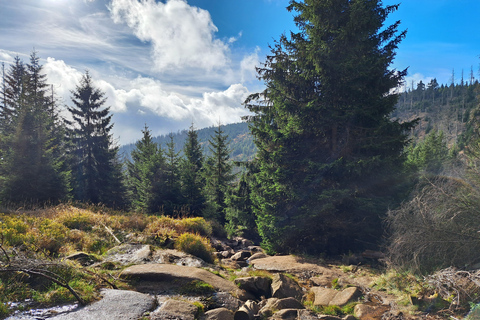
(164, 273)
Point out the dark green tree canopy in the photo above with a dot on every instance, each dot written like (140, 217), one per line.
(323, 127)
(97, 170)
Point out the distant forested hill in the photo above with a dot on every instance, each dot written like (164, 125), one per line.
(239, 137)
(442, 107)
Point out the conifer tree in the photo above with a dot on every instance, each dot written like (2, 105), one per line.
(239, 213)
(34, 169)
(327, 149)
(145, 174)
(172, 199)
(218, 175)
(97, 171)
(191, 174)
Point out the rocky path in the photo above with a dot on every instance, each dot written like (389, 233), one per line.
(247, 284)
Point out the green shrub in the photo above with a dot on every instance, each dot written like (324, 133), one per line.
(195, 245)
(195, 225)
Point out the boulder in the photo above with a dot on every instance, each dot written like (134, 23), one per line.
(345, 296)
(285, 314)
(83, 258)
(331, 297)
(328, 317)
(323, 296)
(175, 309)
(285, 287)
(258, 255)
(370, 311)
(258, 286)
(225, 300)
(219, 314)
(129, 253)
(247, 311)
(288, 303)
(241, 255)
(173, 274)
(115, 305)
(171, 256)
(274, 304)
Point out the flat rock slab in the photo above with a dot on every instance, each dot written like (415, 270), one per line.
(290, 264)
(115, 305)
(169, 273)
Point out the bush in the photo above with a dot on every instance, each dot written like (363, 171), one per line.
(437, 228)
(195, 225)
(196, 245)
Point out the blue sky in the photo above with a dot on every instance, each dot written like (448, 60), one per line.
(174, 62)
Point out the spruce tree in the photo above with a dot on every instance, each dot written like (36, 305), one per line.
(34, 167)
(191, 174)
(218, 175)
(145, 174)
(172, 199)
(239, 211)
(328, 150)
(97, 171)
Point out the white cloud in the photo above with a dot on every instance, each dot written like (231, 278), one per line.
(63, 77)
(5, 57)
(248, 64)
(181, 35)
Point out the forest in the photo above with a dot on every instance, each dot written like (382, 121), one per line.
(338, 155)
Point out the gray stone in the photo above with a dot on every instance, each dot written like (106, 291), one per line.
(286, 314)
(129, 253)
(258, 286)
(327, 317)
(306, 315)
(323, 296)
(241, 255)
(175, 309)
(83, 258)
(219, 314)
(284, 287)
(288, 303)
(258, 255)
(115, 305)
(225, 300)
(151, 273)
(170, 256)
(268, 307)
(366, 311)
(345, 296)
(247, 311)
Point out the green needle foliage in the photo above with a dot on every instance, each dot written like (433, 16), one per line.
(145, 174)
(328, 151)
(97, 172)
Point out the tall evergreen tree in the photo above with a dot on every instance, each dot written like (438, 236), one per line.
(191, 174)
(145, 174)
(97, 171)
(34, 153)
(239, 212)
(218, 175)
(172, 199)
(328, 149)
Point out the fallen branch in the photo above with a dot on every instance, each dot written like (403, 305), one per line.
(42, 274)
